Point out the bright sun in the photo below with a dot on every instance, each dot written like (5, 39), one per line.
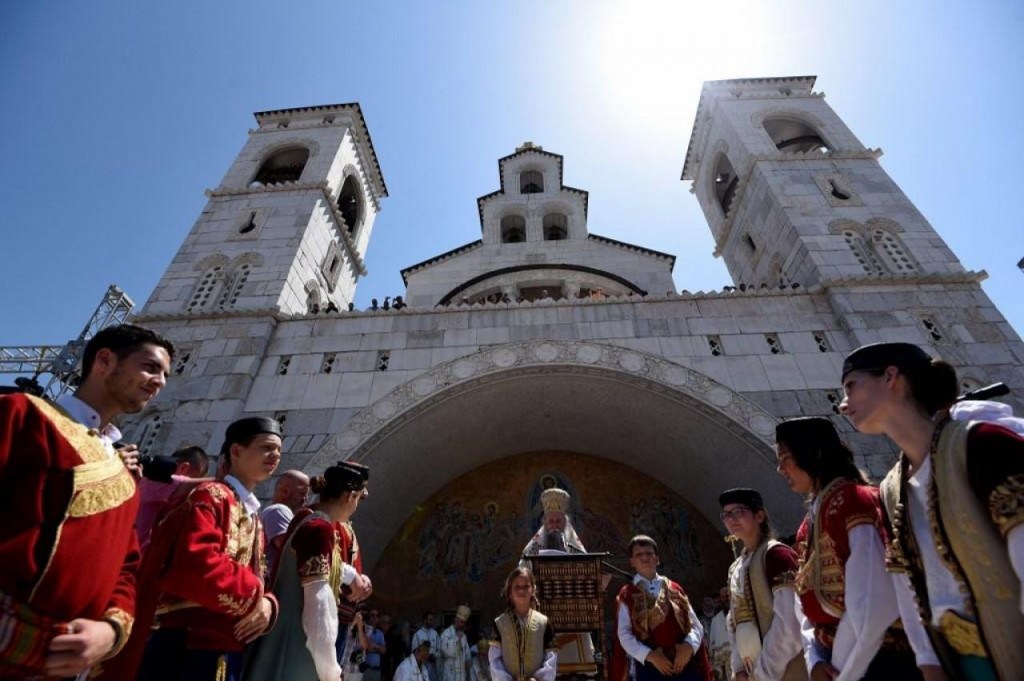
(656, 55)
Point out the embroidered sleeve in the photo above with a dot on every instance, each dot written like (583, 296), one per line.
(780, 566)
(314, 544)
(121, 621)
(858, 505)
(995, 466)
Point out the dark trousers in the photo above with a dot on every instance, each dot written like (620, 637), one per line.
(167, 659)
(889, 665)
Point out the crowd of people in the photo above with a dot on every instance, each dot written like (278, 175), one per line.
(181, 576)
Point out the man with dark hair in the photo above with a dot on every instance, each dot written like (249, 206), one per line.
(192, 462)
(63, 493)
(202, 576)
(657, 630)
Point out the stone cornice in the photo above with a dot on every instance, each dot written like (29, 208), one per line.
(915, 278)
(343, 236)
(447, 255)
(270, 313)
(634, 248)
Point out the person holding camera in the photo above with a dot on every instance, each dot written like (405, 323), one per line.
(64, 492)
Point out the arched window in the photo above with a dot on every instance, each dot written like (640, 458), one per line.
(556, 227)
(209, 282)
(233, 288)
(531, 182)
(891, 251)
(284, 166)
(789, 135)
(350, 204)
(312, 297)
(725, 183)
(864, 255)
(513, 229)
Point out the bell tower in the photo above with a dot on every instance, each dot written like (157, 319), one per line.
(793, 197)
(286, 231)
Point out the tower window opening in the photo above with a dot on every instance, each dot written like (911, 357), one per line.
(866, 258)
(837, 192)
(350, 204)
(383, 359)
(556, 227)
(749, 242)
(513, 229)
(229, 296)
(334, 265)
(181, 362)
(146, 432)
(715, 345)
(822, 341)
(249, 225)
(726, 182)
(773, 343)
(328, 365)
(205, 288)
(790, 135)
(531, 182)
(283, 365)
(281, 417)
(284, 166)
(892, 251)
(834, 400)
(932, 328)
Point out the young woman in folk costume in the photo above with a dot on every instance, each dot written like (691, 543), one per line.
(955, 501)
(849, 615)
(315, 567)
(764, 632)
(525, 648)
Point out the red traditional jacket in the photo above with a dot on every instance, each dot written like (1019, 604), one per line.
(63, 495)
(823, 545)
(202, 573)
(318, 548)
(658, 623)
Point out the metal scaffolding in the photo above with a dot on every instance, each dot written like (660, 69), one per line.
(56, 369)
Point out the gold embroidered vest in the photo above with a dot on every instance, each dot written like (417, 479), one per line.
(522, 647)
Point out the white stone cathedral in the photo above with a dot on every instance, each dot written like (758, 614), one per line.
(543, 337)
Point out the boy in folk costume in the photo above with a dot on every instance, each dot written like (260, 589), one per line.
(764, 632)
(202, 576)
(525, 649)
(657, 630)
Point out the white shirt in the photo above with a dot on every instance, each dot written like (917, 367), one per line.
(634, 648)
(411, 670)
(424, 634)
(250, 502)
(90, 418)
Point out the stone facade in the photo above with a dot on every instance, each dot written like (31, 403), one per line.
(543, 337)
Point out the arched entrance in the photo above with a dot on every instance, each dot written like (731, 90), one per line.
(680, 427)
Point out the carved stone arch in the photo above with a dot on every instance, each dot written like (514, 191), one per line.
(882, 234)
(844, 224)
(280, 145)
(212, 260)
(314, 295)
(249, 258)
(858, 240)
(758, 118)
(595, 398)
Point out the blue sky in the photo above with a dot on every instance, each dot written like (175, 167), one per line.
(119, 114)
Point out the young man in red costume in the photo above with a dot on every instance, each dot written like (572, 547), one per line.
(64, 492)
(203, 572)
(657, 627)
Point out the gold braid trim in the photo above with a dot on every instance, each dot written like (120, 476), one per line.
(1006, 504)
(100, 486)
(122, 623)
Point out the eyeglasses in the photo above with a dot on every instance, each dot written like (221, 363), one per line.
(734, 514)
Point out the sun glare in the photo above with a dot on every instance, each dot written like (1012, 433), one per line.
(655, 55)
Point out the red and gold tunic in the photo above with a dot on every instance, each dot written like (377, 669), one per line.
(658, 623)
(202, 573)
(62, 494)
(823, 545)
(319, 549)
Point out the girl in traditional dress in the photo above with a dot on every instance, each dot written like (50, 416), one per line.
(764, 632)
(525, 649)
(955, 501)
(318, 560)
(847, 601)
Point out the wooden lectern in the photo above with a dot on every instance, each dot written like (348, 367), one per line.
(569, 591)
